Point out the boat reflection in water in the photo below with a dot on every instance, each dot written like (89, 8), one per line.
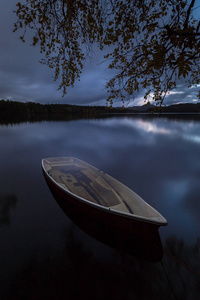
(104, 208)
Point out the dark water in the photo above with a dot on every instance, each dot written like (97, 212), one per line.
(43, 255)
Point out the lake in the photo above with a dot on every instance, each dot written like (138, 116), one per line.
(44, 255)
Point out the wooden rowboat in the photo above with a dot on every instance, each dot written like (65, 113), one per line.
(98, 203)
(93, 188)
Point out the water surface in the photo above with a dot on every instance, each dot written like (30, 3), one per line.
(43, 255)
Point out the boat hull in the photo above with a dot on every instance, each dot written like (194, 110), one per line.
(129, 235)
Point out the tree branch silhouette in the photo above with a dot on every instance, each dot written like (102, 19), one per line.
(153, 44)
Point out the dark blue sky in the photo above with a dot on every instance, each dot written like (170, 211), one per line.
(23, 78)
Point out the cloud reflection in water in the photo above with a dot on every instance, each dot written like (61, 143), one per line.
(185, 130)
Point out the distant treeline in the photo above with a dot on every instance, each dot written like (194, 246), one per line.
(31, 111)
(15, 111)
(182, 108)
(186, 108)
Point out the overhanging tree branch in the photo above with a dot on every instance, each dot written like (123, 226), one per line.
(153, 43)
(188, 14)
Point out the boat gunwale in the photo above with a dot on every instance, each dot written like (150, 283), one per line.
(162, 222)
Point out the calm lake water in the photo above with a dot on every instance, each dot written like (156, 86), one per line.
(43, 255)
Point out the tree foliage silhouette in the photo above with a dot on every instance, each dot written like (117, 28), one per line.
(153, 44)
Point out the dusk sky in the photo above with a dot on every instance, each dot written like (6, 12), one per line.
(23, 78)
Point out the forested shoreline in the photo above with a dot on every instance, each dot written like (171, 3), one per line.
(30, 111)
(15, 111)
(34, 109)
